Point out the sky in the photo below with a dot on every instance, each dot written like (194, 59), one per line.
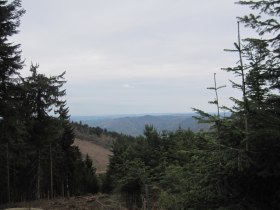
(133, 56)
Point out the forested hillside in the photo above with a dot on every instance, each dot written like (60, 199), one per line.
(135, 125)
(97, 135)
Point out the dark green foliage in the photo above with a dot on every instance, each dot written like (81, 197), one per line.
(84, 177)
(49, 165)
(90, 179)
(10, 60)
(37, 158)
(181, 169)
(10, 64)
(257, 178)
(235, 164)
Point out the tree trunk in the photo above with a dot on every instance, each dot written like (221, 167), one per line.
(67, 186)
(8, 174)
(51, 171)
(38, 175)
(243, 91)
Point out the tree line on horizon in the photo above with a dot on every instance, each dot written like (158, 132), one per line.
(37, 159)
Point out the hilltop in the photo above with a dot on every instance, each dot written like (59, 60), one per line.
(134, 124)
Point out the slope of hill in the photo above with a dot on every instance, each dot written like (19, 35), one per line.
(96, 141)
(98, 154)
(134, 125)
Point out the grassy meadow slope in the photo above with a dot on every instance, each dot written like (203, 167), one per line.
(98, 154)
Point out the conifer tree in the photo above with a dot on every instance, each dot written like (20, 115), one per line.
(253, 183)
(10, 65)
(43, 97)
(261, 54)
(65, 144)
(10, 58)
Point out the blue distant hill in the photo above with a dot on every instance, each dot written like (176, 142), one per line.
(134, 124)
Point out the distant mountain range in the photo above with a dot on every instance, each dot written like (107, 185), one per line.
(134, 124)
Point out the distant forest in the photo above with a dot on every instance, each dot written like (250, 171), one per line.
(233, 165)
(135, 125)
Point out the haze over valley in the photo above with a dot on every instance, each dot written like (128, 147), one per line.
(134, 124)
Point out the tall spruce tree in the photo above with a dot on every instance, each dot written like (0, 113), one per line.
(249, 176)
(43, 96)
(65, 175)
(34, 127)
(263, 55)
(10, 59)
(254, 182)
(10, 64)
(265, 22)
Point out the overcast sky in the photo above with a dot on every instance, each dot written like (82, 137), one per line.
(132, 56)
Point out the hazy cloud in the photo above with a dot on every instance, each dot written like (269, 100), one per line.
(168, 49)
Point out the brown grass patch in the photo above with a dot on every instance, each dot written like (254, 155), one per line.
(98, 154)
